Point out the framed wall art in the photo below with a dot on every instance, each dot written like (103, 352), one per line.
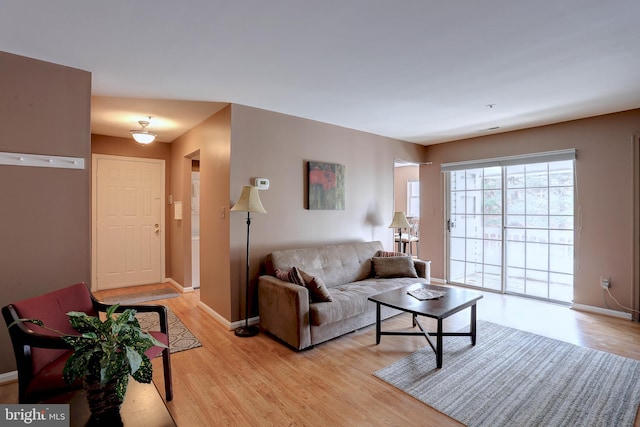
(326, 186)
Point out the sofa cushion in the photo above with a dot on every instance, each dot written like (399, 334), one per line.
(351, 299)
(292, 276)
(334, 264)
(318, 292)
(396, 266)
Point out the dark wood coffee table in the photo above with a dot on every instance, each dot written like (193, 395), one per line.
(452, 302)
(143, 407)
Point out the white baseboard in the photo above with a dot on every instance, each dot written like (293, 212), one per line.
(178, 286)
(599, 310)
(8, 377)
(229, 325)
(438, 281)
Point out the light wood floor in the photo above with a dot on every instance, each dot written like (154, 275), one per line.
(257, 381)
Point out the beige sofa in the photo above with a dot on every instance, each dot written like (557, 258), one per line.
(348, 271)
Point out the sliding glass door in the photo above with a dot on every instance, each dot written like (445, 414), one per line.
(539, 230)
(510, 226)
(475, 227)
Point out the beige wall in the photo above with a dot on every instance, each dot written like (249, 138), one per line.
(604, 209)
(45, 216)
(211, 141)
(277, 146)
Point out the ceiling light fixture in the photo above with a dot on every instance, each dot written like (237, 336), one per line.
(143, 136)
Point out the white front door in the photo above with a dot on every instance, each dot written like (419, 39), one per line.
(128, 221)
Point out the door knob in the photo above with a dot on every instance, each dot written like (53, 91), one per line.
(157, 230)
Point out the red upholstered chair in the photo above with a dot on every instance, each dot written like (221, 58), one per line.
(41, 354)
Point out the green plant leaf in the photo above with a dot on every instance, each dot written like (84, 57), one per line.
(134, 358)
(144, 374)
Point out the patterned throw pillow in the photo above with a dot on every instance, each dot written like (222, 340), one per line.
(385, 254)
(292, 276)
(317, 289)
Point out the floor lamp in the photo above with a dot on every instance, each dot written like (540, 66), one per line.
(399, 221)
(249, 202)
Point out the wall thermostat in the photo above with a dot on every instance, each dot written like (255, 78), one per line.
(262, 183)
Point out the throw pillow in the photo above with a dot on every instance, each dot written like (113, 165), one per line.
(292, 276)
(398, 266)
(317, 289)
(386, 254)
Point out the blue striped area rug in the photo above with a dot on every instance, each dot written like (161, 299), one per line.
(516, 378)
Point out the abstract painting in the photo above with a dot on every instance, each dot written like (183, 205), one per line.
(326, 186)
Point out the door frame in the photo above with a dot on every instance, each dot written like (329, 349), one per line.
(94, 203)
(635, 289)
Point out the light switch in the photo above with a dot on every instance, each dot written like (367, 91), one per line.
(177, 210)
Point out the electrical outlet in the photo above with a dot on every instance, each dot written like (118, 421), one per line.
(605, 283)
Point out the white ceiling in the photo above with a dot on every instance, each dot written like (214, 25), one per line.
(423, 71)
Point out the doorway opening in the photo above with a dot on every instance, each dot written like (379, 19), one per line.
(406, 199)
(128, 217)
(195, 222)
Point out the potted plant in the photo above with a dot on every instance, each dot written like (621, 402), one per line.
(105, 354)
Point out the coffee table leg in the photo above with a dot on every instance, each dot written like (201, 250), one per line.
(439, 349)
(377, 323)
(473, 324)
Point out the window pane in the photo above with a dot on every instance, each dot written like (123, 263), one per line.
(536, 283)
(474, 179)
(457, 180)
(515, 176)
(493, 227)
(458, 202)
(474, 250)
(457, 249)
(492, 278)
(537, 201)
(515, 254)
(561, 259)
(492, 201)
(473, 202)
(564, 237)
(561, 201)
(457, 225)
(515, 280)
(493, 178)
(561, 173)
(515, 202)
(537, 256)
(493, 252)
(536, 175)
(456, 271)
(561, 287)
(537, 221)
(561, 222)
(474, 226)
(515, 220)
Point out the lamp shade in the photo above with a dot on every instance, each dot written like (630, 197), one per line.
(399, 221)
(249, 201)
(143, 135)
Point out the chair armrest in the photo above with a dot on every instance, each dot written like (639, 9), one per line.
(28, 336)
(139, 308)
(284, 311)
